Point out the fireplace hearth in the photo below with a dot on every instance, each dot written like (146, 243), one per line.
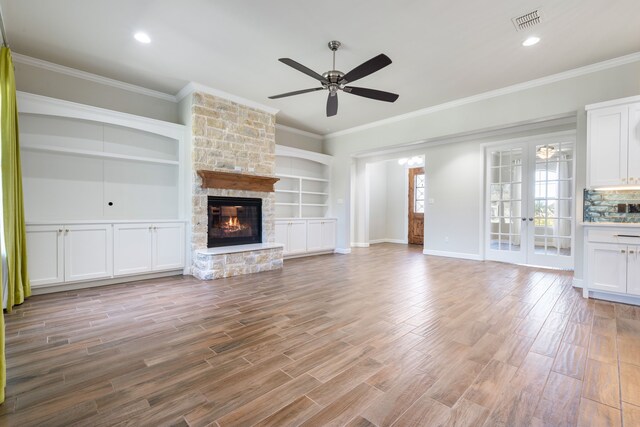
(234, 221)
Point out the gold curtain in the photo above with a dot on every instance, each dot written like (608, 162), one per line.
(12, 203)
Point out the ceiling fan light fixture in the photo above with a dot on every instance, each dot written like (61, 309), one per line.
(545, 152)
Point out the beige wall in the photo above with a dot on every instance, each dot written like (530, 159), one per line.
(298, 140)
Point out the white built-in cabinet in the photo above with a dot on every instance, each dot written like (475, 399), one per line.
(303, 224)
(142, 248)
(69, 253)
(104, 192)
(612, 259)
(306, 236)
(613, 143)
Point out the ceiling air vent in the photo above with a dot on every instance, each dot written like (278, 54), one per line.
(527, 20)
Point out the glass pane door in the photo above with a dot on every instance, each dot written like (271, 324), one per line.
(551, 231)
(505, 171)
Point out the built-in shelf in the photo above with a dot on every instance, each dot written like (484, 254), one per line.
(96, 154)
(286, 204)
(314, 204)
(315, 193)
(288, 191)
(308, 178)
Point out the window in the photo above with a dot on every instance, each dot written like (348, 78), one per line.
(418, 194)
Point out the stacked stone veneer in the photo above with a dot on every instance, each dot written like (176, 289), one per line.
(602, 206)
(226, 135)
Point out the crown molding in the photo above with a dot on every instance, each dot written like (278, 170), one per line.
(57, 68)
(576, 72)
(299, 132)
(192, 87)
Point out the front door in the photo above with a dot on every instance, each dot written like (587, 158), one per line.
(416, 206)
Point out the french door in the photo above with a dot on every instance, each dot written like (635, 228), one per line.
(529, 216)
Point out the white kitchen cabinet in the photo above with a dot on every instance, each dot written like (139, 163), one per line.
(45, 254)
(167, 246)
(613, 143)
(612, 261)
(608, 267)
(146, 247)
(88, 252)
(321, 235)
(282, 234)
(132, 248)
(633, 270)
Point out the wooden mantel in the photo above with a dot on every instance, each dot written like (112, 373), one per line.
(237, 181)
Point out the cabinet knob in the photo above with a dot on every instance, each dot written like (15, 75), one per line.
(530, 219)
(631, 252)
(60, 230)
(622, 251)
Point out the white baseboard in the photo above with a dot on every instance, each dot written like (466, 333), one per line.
(344, 251)
(359, 245)
(624, 299)
(61, 287)
(398, 241)
(461, 255)
(578, 283)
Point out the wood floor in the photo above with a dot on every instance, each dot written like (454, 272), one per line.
(384, 336)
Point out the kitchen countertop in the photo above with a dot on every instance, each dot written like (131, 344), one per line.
(611, 224)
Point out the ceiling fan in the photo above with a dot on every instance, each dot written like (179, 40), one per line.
(335, 80)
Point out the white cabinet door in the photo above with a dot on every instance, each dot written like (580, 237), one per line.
(45, 254)
(633, 270)
(131, 249)
(88, 252)
(314, 235)
(282, 234)
(634, 144)
(168, 246)
(607, 267)
(328, 235)
(608, 137)
(297, 237)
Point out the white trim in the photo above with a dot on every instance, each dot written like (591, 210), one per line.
(192, 87)
(461, 255)
(398, 241)
(342, 251)
(359, 245)
(283, 150)
(38, 104)
(60, 287)
(578, 283)
(576, 72)
(612, 103)
(624, 299)
(299, 131)
(84, 75)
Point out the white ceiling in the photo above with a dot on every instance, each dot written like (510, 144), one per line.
(441, 50)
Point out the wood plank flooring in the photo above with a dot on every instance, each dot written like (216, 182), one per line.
(384, 336)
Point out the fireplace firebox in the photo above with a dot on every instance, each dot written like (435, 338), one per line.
(234, 221)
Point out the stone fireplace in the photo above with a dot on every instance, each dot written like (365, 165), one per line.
(235, 139)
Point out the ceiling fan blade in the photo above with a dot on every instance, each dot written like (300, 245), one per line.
(297, 92)
(371, 66)
(309, 72)
(378, 95)
(332, 104)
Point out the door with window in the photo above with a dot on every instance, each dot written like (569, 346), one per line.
(416, 206)
(530, 202)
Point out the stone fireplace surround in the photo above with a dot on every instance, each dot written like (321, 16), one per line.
(225, 136)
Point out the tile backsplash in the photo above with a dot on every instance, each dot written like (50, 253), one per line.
(611, 206)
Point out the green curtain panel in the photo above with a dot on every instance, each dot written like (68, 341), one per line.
(12, 203)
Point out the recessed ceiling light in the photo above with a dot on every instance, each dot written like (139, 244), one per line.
(142, 37)
(531, 41)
